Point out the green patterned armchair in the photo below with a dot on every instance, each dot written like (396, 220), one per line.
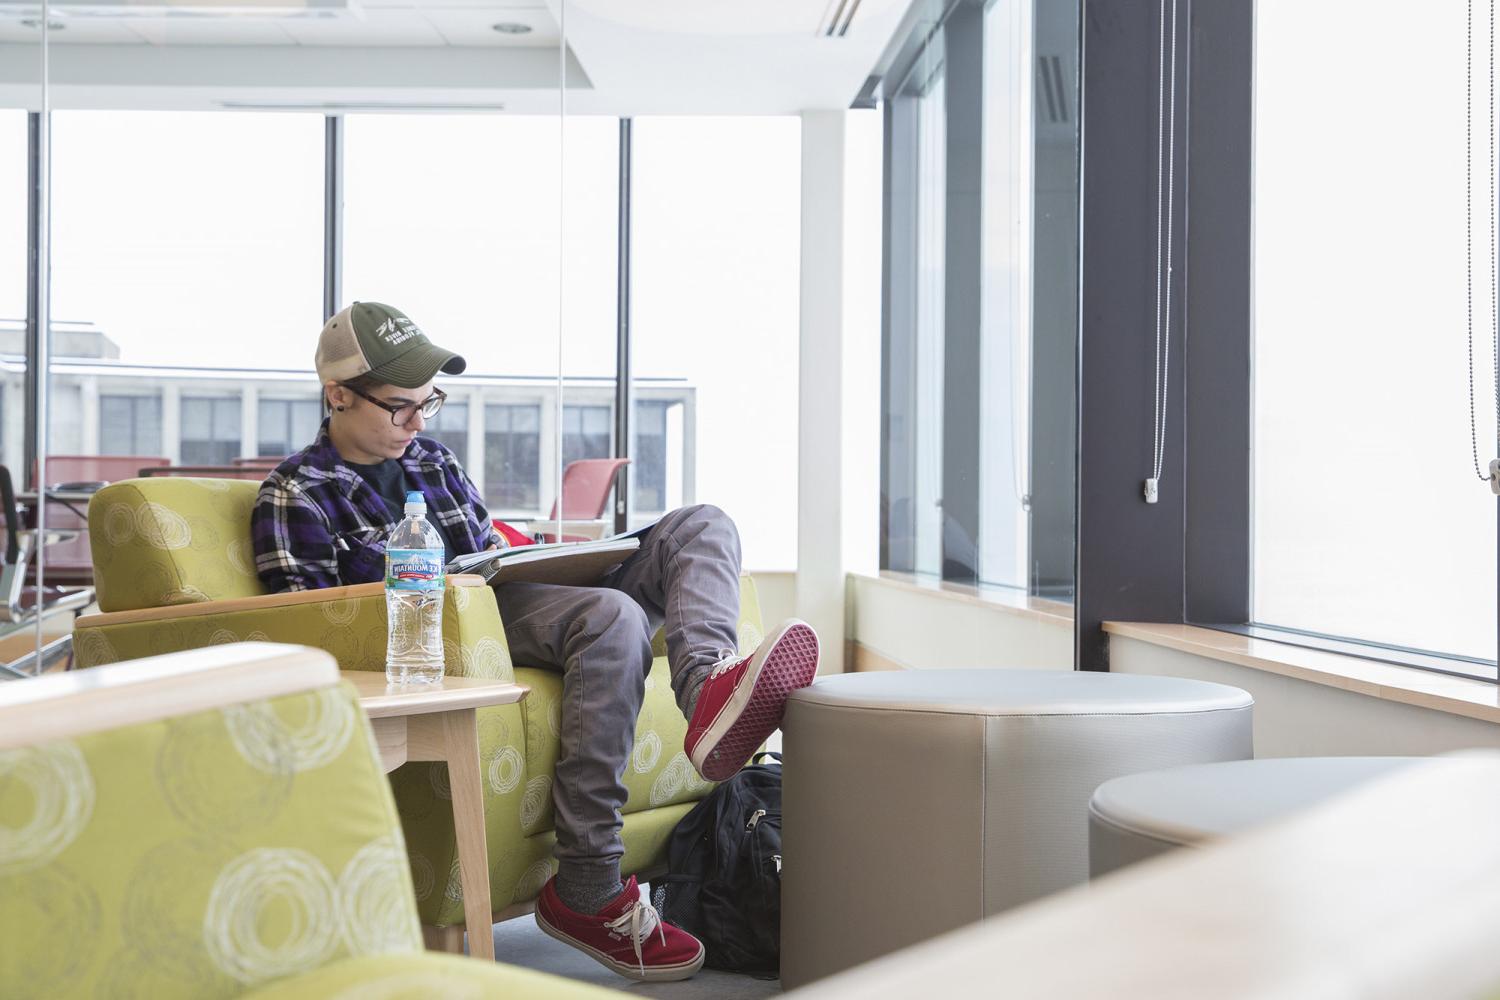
(174, 570)
(206, 825)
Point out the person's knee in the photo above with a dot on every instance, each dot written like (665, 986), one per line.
(710, 519)
(616, 614)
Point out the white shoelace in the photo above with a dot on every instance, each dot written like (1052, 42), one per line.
(727, 658)
(638, 923)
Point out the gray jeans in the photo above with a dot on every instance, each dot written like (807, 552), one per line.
(685, 575)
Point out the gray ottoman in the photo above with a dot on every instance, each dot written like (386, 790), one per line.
(915, 802)
(1142, 815)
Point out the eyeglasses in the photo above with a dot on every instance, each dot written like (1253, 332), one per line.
(402, 413)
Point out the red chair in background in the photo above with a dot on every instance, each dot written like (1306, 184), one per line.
(70, 562)
(586, 485)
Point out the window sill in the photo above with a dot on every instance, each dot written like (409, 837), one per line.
(1474, 699)
(1004, 599)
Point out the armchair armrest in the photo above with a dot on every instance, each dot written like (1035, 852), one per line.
(347, 622)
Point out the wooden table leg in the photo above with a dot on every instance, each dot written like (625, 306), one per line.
(461, 737)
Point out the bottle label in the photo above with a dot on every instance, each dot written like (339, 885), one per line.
(414, 569)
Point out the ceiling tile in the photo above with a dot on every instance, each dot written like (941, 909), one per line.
(89, 31)
(474, 27)
(432, 5)
(210, 31)
(377, 27)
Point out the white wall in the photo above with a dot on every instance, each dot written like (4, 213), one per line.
(778, 596)
(938, 631)
(1300, 718)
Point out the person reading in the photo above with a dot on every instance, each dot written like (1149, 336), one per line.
(321, 519)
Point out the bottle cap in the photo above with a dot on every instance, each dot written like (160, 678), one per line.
(415, 503)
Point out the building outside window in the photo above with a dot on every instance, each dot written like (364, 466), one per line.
(512, 456)
(286, 425)
(586, 432)
(648, 461)
(130, 425)
(451, 427)
(210, 430)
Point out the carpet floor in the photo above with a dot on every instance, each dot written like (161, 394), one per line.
(521, 942)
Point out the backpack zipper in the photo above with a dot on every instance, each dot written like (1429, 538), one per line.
(755, 819)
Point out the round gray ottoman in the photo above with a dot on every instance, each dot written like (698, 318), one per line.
(1139, 816)
(914, 802)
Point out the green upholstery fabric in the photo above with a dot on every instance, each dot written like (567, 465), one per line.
(200, 856)
(352, 630)
(426, 977)
(518, 744)
(157, 542)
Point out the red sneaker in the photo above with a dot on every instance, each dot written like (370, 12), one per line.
(628, 936)
(741, 702)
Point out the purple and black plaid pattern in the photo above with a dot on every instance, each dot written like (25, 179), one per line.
(317, 523)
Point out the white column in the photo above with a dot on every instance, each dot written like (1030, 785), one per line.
(838, 470)
(820, 533)
(474, 460)
(88, 415)
(171, 422)
(250, 421)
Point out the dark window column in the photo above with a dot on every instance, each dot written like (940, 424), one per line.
(963, 39)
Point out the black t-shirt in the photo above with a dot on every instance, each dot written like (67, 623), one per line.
(388, 480)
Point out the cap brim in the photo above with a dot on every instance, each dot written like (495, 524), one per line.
(418, 366)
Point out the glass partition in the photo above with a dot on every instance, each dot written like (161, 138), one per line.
(23, 98)
(225, 182)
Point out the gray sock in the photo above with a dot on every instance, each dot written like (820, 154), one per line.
(588, 888)
(690, 702)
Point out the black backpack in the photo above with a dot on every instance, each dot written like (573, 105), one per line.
(723, 882)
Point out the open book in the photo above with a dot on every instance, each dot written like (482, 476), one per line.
(574, 564)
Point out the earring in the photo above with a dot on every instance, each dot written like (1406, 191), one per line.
(339, 408)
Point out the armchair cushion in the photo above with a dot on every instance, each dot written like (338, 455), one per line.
(188, 541)
(202, 855)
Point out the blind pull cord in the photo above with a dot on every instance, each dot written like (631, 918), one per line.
(1493, 474)
(1166, 150)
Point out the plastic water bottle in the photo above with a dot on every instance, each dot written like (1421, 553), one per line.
(414, 598)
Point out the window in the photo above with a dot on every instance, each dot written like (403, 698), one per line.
(130, 425)
(512, 457)
(454, 220)
(284, 426)
(715, 258)
(1369, 521)
(228, 204)
(586, 431)
(210, 430)
(451, 427)
(981, 321)
(13, 201)
(916, 189)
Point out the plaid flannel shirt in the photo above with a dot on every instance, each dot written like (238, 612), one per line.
(318, 523)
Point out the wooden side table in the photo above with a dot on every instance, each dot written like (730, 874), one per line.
(437, 723)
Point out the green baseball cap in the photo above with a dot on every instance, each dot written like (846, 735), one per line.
(373, 338)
